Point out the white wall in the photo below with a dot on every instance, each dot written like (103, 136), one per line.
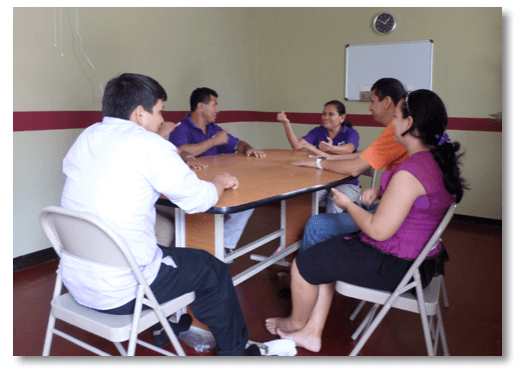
(258, 59)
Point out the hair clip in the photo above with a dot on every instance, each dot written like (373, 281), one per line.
(407, 102)
(444, 138)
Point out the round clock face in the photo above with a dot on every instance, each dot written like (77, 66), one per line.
(384, 23)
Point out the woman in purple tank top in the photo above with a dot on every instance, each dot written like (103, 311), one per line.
(413, 200)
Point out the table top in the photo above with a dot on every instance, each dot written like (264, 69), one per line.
(264, 180)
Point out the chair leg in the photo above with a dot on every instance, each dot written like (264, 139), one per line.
(49, 335)
(135, 321)
(371, 329)
(120, 348)
(357, 310)
(366, 322)
(440, 326)
(423, 316)
(444, 292)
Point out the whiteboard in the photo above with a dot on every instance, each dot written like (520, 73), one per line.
(409, 62)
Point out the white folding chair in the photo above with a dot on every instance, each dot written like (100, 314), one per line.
(87, 237)
(425, 303)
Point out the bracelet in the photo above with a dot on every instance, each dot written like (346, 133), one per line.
(189, 156)
(318, 162)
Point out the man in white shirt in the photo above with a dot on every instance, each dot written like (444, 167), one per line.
(116, 170)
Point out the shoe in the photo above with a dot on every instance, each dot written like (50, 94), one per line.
(253, 350)
(226, 251)
(161, 339)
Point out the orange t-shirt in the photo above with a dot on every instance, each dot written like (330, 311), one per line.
(385, 152)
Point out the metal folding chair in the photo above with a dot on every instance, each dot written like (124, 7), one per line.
(85, 236)
(426, 301)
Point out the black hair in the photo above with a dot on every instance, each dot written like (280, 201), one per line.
(340, 110)
(201, 95)
(126, 92)
(389, 87)
(429, 124)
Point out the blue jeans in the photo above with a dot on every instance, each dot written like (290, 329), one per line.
(322, 227)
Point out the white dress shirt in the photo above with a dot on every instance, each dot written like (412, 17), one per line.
(116, 170)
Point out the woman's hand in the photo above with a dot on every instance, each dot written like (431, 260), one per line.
(369, 196)
(326, 146)
(281, 117)
(341, 200)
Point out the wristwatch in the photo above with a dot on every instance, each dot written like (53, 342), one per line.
(318, 162)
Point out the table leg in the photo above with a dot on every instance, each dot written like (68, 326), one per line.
(201, 231)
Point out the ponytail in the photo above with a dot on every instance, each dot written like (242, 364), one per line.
(445, 154)
(429, 124)
(347, 123)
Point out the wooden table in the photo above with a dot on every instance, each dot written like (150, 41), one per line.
(262, 181)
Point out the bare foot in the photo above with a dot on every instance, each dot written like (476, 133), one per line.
(306, 341)
(284, 324)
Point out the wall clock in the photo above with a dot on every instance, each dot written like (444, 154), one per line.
(384, 23)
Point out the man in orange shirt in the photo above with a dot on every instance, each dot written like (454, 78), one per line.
(384, 152)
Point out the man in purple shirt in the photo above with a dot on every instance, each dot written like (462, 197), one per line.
(198, 135)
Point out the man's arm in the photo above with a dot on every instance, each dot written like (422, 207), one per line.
(190, 159)
(245, 148)
(196, 149)
(353, 167)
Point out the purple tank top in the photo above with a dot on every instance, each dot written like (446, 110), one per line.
(425, 214)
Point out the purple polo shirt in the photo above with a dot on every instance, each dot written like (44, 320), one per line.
(188, 133)
(346, 135)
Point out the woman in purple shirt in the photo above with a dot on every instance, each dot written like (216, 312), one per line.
(413, 200)
(334, 136)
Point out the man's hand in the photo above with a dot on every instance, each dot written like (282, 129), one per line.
(167, 128)
(369, 196)
(221, 137)
(326, 146)
(308, 162)
(319, 153)
(226, 180)
(255, 152)
(341, 200)
(195, 164)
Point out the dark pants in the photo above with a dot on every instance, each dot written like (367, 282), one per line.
(348, 259)
(216, 304)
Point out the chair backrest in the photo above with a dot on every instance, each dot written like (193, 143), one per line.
(87, 237)
(433, 241)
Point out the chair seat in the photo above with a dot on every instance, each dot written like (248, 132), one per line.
(405, 301)
(115, 328)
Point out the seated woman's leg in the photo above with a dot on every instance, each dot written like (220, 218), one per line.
(311, 304)
(323, 227)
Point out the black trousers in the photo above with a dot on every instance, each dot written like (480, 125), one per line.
(216, 304)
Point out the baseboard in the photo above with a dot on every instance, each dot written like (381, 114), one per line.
(35, 258)
(478, 220)
(49, 254)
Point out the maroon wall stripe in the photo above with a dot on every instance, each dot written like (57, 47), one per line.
(59, 120)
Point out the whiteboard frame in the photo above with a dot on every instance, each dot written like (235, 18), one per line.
(388, 69)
